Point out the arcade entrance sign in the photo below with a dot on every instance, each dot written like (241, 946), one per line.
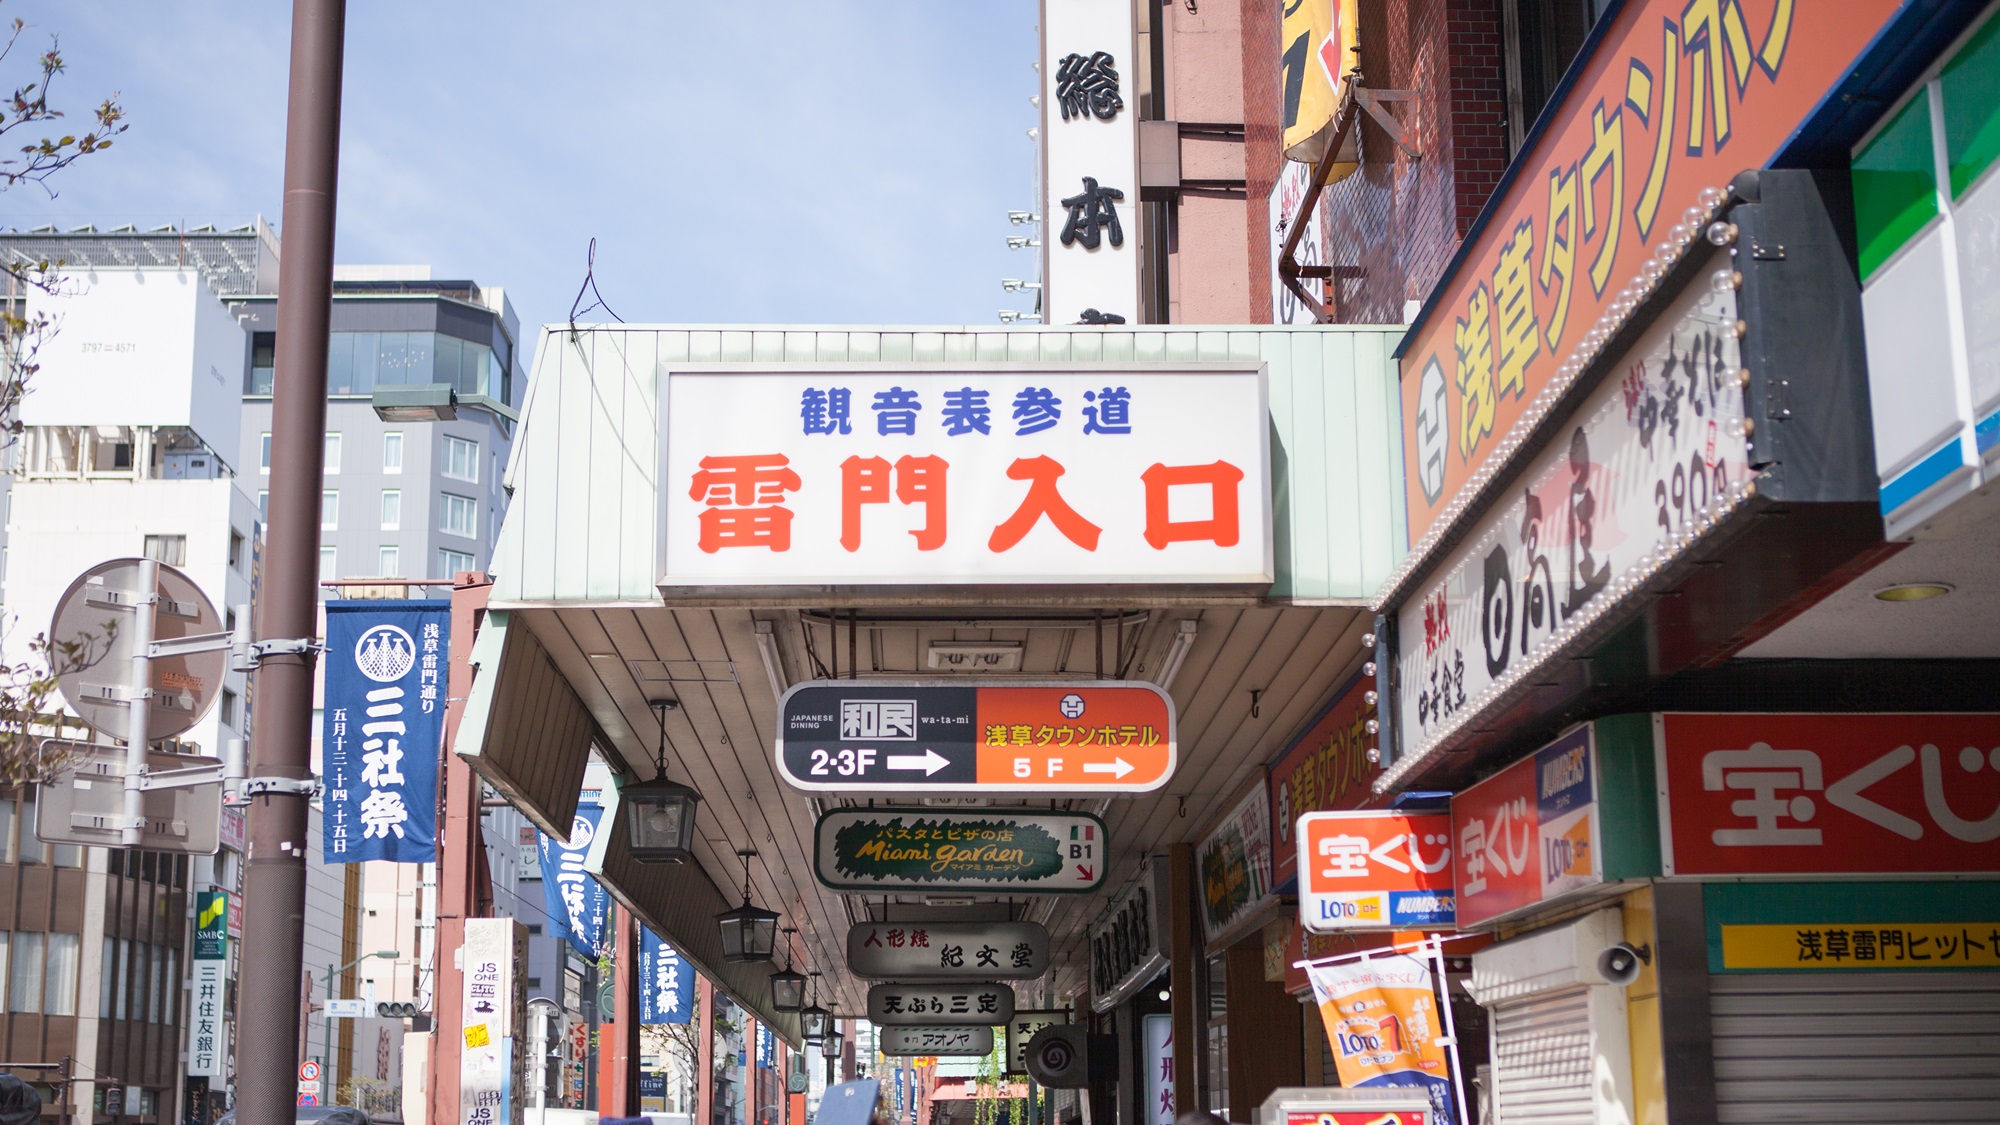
(983, 850)
(1041, 737)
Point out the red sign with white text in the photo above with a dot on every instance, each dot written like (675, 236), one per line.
(1374, 871)
(1829, 794)
(1528, 834)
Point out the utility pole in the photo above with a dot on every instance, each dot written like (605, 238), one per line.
(275, 885)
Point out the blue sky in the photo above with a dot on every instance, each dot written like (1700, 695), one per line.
(771, 162)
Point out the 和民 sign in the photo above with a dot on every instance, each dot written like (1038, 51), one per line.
(975, 1042)
(1529, 833)
(1374, 871)
(944, 950)
(1891, 794)
(985, 1004)
(890, 737)
(386, 668)
(905, 477)
(868, 849)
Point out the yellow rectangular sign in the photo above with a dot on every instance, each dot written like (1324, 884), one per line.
(1862, 945)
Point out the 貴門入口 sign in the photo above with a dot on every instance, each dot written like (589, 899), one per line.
(867, 849)
(893, 476)
(887, 736)
(1674, 98)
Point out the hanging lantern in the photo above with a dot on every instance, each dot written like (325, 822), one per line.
(788, 986)
(659, 823)
(748, 932)
(813, 1019)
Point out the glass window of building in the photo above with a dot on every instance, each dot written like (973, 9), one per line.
(156, 1008)
(451, 562)
(459, 515)
(358, 362)
(235, 549)
(30, 849)
(392, 509)
(263, 505)
(264, 453)
(329, 509)
(6, 831)
(24, 986)
(59, 981)
(461, 459)
(332, 458)
(107, 989)
(124, 964)
(392, 452)
(263, 363)
(390, 562)
(228, 708)
(329, 563)
(5, 949)
(169, 549)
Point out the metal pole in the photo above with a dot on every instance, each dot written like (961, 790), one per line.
(139, 711)
(326, 1041)
(281, 743)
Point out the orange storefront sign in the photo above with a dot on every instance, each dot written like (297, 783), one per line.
(1676, 96)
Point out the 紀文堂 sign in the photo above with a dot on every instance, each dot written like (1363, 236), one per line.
(885, 736)
(905, 951)
(1803, 794)
(1529, 833)
(1374, 871)
(909, 477)
(866, 849)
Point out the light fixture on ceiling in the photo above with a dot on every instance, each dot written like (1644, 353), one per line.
(788, 985)
(1913, 591)
(766, 633)
(829, 1044)
(748, 932)
(1177, 654)
(660, 826)
(813, 1018)
(415, 402)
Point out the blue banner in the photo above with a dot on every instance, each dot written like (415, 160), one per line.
(767, 1046)
(383, 728)
(573, 899)
(666, 982)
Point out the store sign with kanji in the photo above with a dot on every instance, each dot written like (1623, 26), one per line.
(881, 736)
(1642, 467)
(875, 849)
(1907, 794)
(983, 1005)
(1674, 97)
(1326, 770)
(1528, 834)
(883, 476)
(1374, 871)
(951, 1042)
(1867, 946)
(906, 951)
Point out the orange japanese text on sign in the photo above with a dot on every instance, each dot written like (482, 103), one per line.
(1060, 737)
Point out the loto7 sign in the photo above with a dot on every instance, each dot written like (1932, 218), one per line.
(1374, 871)
(1828, 794)
(884, 475)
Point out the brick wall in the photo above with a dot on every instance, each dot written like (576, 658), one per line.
(1263, 138)
(1397, 220)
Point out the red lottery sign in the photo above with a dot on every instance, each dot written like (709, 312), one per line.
(1374, 870)
(1820, 794)
(1528, 833)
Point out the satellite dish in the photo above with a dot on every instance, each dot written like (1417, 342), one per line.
(99, 612)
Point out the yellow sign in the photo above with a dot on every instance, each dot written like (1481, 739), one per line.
(1318, 39)
(478, 1035)
(1862, 945)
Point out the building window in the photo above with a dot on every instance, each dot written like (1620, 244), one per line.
(157, 1008)
(4, 967)
(1542, 38)
(124, 978)
(392, 452)
(264, 453)
(228, 708)
(235, 549)
(30, 849)
(329, 564)
(329, 509)
(59, 981)
(263, 363)
(169, 549)
(24, 990)
(390, 562)
(461, 459)
(107, 979)
(332, 453)
(263, 505)
(6, 831)
(451, 562)
(392, 509)
(459, 515)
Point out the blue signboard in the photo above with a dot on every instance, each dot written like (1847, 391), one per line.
(666, 982)
(386, 668)
(574, 900)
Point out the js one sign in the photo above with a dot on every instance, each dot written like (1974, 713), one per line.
(894, 476)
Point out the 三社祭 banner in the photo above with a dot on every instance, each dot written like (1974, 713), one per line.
(666, 982)
(386, 668)
(572, 897)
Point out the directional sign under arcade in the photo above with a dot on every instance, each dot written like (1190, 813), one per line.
(1046, 851)
(1035, 737)
(907, 951)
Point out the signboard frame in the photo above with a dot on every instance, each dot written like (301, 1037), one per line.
(941, 936)
(930, 763)
(943, 998)
(1435, 830)
(892, 1040)
(1069, 854)
(1526, 785)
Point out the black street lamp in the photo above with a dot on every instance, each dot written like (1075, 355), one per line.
(829, 1044)
(660, 828)
(813, 1019)
(748, 932)
(788, 986)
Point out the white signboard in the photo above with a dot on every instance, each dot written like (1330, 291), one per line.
(208, 1039)
(944, 950)
(1287, 199)
(959, 1042)
(1654, 455)
(1159, 1064)
(985, 1004)
(1022, 1028)
(487, 1063)
(1090, 161)
(339, 1009)
(916, 477)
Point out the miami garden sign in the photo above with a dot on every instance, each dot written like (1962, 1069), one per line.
(982, 850)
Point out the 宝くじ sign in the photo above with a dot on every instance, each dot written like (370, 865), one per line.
(1374, 871)
(894, 476)
(873, 849)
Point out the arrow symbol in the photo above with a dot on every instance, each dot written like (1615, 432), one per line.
(1086, 873)
(1118, 768)
(930, 761)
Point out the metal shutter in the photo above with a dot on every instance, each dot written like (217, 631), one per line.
(1542, 1061)
(1856, 1047)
